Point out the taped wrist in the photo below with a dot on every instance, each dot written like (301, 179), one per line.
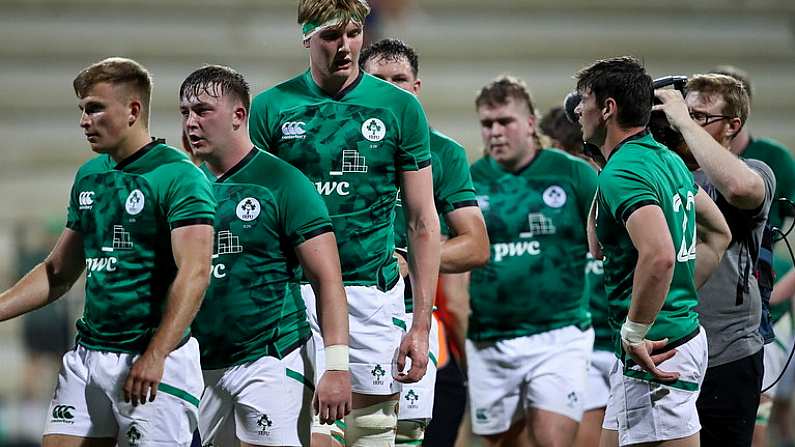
(633, 333)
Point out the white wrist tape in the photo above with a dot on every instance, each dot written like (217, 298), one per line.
(633, 333)
(337, 358)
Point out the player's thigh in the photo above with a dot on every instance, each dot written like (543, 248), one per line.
(548, 429)
(496, 374)
(273, 400)
(216, 408)
(557, 383)
(515, 436)
(80, 407)
(377, 324)
(76, 441)
(590, 428)
(645, 411)
(172, 417)
(417, 399)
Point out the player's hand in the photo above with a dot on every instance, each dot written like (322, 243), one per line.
(641, 354)
(414, 346)
(144, 377)
(332, 399)
(403, 264)
(674, 107)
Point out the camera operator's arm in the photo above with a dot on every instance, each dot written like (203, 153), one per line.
(740, 185)
(784, 289)
(714, 237)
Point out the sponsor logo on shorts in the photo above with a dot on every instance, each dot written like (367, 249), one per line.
(572, 399)
(134, 435)
(374, 129)
(265, 424)
(63, 414)
(412, 398)
(378, 375)
(481, 416)
(293, 129)
(86, 200)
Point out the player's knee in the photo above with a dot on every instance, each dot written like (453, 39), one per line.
(372, 426)
(411, 431)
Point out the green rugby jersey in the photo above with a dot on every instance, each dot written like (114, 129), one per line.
(452, 188)
(780, 160)
(352, 146)
(536, 220)
(641, 172)
(597, 302)
(125, 213)
(253, 306)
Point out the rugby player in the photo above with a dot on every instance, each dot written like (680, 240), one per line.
(139, 222)
(530, 336)
(252, 328)
(466, 248)
(360, 139)
(648, 207)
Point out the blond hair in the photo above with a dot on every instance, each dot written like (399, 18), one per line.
(322, 11)
(117, 71)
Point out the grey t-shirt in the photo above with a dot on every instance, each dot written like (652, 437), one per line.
(730, 307)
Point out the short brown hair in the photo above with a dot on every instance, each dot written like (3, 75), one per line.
(505, 87)
(117, 70)
(321, 11)
(737, 104)
(738, 74)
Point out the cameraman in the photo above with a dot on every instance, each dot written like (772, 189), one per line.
(711, 115)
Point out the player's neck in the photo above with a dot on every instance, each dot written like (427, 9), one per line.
(132, 144)
(333, 85)
(615, 135)
(225, 159)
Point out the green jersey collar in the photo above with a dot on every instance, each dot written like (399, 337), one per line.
(240, 165)
(139, 153)
(340, 95)
(635, 136)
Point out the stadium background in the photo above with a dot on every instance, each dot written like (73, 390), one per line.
(462, 44)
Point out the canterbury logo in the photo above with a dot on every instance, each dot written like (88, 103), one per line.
(62, 412)
(86, 199)
(293, 129)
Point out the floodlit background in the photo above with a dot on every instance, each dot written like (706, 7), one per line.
(462, 44)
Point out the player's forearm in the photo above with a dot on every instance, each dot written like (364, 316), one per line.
(741, 186)
(332, 311)
(707, 260)
(650, 285)
(38, 288)
(462, 253)
(456, 293)
(183, 302)
(593, 240)
(424, 248)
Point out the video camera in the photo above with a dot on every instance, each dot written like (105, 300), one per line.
(658, 123)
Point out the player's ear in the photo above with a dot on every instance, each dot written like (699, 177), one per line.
(609, 108)
(135, 112)
(239, 116)
(417, 86)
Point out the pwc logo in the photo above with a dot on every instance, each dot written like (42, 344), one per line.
(293, 130)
